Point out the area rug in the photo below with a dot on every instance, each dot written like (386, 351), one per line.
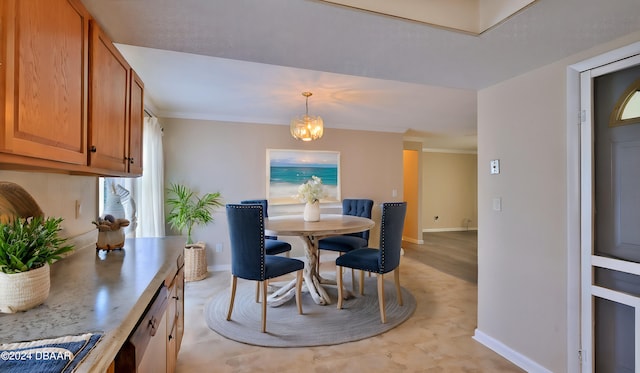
(319, 325)
(47, 355)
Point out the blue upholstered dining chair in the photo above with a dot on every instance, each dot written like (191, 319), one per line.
(248, 258)
(348, 242)
(382, 260)
(273, 245)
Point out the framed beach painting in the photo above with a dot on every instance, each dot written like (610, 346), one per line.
(288, 169)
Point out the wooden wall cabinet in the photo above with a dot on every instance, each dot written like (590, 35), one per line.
(136, 124)
(109, 75)
(45, 74)
(71, 102)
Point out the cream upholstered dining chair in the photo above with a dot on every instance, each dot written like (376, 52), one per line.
(248, 258)
(382, 260)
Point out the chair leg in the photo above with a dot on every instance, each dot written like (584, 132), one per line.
(299, 291)
(362, 282)
(234, 282)
(339, 283)
(257, 291)
(353, 280)
(264, 305)
(383, 316)
(396, 279)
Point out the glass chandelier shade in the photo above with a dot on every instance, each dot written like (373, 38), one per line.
(306, 127)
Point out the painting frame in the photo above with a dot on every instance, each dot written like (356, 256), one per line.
(287, 169)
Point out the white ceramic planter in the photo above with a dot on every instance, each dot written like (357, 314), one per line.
(24, 290)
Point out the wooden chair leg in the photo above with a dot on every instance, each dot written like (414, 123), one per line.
(396, 279)
(362, 282)
(257, 291)
(339, 283)
(299, 291)
(234, 282)
(353, 280)
(383, 315)
(264, 305)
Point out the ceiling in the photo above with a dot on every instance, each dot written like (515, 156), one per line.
(250, 60)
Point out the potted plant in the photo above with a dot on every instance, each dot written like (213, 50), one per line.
(186, 211)
(27, 247)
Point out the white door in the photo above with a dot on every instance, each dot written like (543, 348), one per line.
(610, 226)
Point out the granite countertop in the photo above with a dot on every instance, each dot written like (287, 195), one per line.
(93, 291)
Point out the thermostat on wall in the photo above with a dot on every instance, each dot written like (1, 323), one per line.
(495, 166)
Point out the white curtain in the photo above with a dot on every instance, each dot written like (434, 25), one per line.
(150, 186)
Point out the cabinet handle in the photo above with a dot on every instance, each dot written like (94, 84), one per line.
(130, 160)
(176, 297)
(93, 149)
(153, 322)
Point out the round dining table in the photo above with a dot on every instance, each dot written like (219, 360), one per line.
(311, 232)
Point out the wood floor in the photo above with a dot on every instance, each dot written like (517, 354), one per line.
(437, 338)
(454, 253)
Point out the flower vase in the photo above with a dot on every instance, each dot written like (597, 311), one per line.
(312, 211)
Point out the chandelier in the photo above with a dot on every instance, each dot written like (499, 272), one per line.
(307, 128)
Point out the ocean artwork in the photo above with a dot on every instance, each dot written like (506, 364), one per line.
(288, 169)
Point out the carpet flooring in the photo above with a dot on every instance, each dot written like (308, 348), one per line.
(317, 326)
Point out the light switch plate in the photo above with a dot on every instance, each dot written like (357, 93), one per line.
(495, 166)
(497, 204)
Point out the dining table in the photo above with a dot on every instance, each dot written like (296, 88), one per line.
(311, 233)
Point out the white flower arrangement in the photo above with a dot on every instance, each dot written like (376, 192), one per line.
(311, 191)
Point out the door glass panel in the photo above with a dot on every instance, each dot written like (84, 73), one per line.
(618, 281)
(632, 108)
(614, 337)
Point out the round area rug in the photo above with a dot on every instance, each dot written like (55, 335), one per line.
(359, 317)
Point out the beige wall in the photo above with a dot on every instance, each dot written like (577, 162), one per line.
(56, 194)
(523, 253)
(231, 158)
(449, 191)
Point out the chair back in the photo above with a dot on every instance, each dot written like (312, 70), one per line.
(391, 227)
(246, 231)
(263, 202)
(358, 207)
(265, 208)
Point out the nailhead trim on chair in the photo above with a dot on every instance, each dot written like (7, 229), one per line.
(262, 248)
(382, 236)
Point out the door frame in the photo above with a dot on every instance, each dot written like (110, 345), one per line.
(580, 205)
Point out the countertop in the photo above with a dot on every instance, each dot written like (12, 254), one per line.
(95, 291)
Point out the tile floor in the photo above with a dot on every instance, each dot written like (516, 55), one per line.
(437, 338)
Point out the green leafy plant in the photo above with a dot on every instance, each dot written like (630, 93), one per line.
(187, 209)
(27, 244)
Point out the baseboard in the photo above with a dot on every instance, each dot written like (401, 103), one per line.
(513, 356)
(219, 268)
(413, 240)
(458, 229)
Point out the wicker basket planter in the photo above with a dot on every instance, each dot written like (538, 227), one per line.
(195, 262)
(24, 290)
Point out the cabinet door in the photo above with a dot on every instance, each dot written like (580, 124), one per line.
(109, 104)
(45, 86)
(136, 111)
(179, 308)
(154, 358)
